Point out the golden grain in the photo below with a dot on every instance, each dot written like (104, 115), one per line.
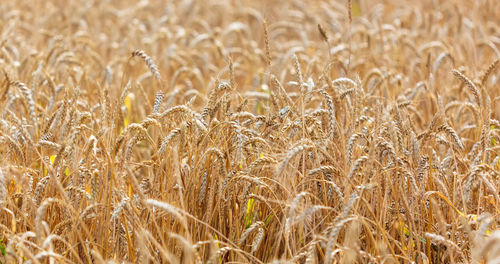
(286, 132)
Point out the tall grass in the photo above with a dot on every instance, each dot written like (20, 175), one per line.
(249, 131)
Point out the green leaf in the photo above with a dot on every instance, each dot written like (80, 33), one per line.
(249, 213)
(268, 219)
(2, 248)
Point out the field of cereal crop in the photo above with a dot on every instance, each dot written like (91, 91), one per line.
(249, 131)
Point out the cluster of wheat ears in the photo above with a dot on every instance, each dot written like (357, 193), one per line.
(249, 131)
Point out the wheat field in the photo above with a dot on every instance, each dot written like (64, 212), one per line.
(363, 131)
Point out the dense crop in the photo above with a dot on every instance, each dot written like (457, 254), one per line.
(249, 131)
